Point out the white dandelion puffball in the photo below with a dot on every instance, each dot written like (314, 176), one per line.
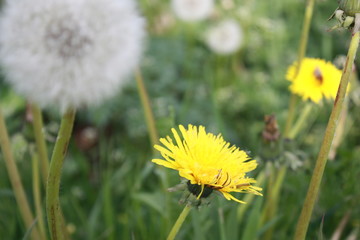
(225, 38)
(192, 10)
(69, 53)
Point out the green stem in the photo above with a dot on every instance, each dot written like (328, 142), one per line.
(175, 229)
(313, 190)
(151, 125)
(270, 182)
(272, 208)
(108, 208)
(40, 141)
(53, 209)
(290, 115)
(301, 121)
(37, 195)
(249, 198)
(150, 120)
(15, 180)
(305, 32)
(340, 130)
(301, 54)
(222, 223)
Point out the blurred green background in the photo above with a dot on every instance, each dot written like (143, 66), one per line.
(111, 190)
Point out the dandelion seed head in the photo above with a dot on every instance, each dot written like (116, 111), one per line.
(225, 38)
(192, 10)
(69, 53)
(68, 37)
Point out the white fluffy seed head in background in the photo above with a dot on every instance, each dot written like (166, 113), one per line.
(225, 37)
(69, 53)
(192, 10)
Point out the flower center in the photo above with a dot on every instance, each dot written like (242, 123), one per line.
(196, 190)
(318, 76)
(67, 38)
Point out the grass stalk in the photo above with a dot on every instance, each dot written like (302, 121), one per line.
(301, 54)
(301, 121)
(145, 101)
(249, 198)
(272, 208)
(15, 180)
(313, 189)
(108, 209)
(37, 195)
(222, 223)
(290, 115)
(40, 141)
(175, 229)
(151, 125)
(270, 182)
(53, 209)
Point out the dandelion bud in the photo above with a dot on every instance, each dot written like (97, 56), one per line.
(350, 7)
(271, 131)
(271, 146)
(69, 53)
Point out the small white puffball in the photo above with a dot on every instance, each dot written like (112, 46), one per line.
(192, 10)
(69, 53)
(225, 38)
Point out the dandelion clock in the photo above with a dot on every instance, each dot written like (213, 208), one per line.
(225, 38)
(192, 10)
(69, 53)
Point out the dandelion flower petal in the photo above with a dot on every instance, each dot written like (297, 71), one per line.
(316, 79)
(208, 161)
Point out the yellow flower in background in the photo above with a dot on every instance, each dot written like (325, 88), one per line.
(316, 79)
(208, 162)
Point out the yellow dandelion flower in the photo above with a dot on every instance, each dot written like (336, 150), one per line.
(316, 79)
(208, 162)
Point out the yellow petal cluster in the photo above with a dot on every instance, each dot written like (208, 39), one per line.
(316, 79)
(207, 160)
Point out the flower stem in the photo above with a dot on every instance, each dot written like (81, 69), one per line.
(150, 121)
(53, 209)
(108, 207)
(305, 31)
(301, 54)
(340, 130)
(40, 141)
(222, 223)
(290, 115)
(175, 229)
(37, 195)
(313, 190)
(15, 180)
(300, 122)
(249, 198)
(272, 205)
(151, 125)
